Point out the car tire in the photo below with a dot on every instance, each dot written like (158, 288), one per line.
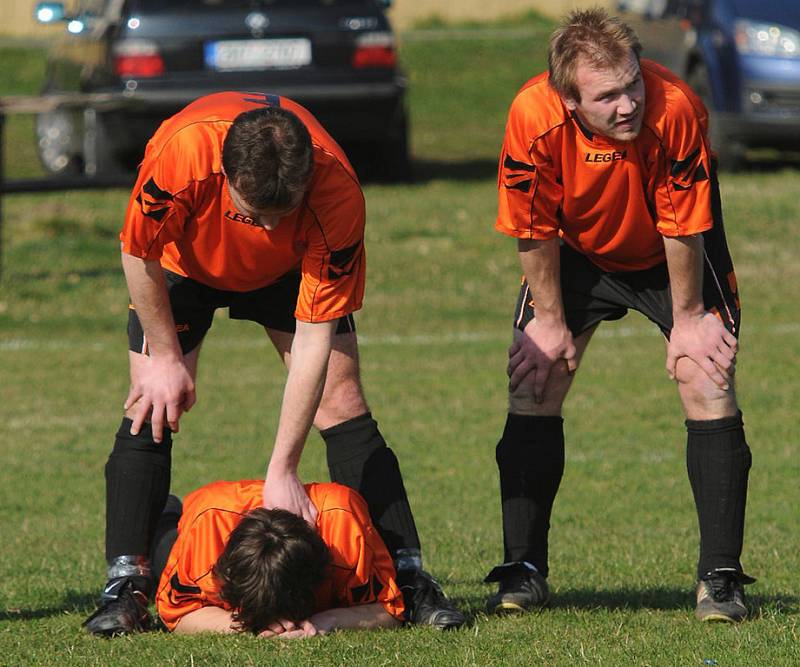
(730, 153)
(106, 160)
(58, 144)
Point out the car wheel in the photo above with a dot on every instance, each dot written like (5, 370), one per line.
(57, 142)
(730, 153)
(100, 151)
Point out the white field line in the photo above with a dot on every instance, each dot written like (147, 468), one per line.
(391, 340)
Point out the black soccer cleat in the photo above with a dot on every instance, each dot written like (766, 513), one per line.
(426, 603)
(720, 596)
(123, 614)
(521, 589)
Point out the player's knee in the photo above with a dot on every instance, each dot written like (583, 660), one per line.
(702, 398)
(526, 405)
(522, 400)
(128, 447)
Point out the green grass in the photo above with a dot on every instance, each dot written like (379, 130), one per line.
(435, 328)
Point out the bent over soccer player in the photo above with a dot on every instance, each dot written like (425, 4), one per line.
(608, 182)
(238, 567)
(243, 201)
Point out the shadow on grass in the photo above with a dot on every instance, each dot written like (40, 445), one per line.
(424, 171)
(661, 598)
(657, 599)
(462, 170)
(633, 599)
(74, 602)
(766, 165)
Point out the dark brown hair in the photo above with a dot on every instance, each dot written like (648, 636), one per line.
(271, 568)
(601, 40)
(268, 157)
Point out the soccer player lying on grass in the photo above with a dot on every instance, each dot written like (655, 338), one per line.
(238, 567)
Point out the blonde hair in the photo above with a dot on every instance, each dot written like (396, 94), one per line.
(602, 41)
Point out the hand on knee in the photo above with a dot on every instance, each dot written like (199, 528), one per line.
(702, 398)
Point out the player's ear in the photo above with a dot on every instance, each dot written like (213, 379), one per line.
(570, 103)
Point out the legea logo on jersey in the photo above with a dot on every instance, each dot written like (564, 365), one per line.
(612, 156)
(238, 217)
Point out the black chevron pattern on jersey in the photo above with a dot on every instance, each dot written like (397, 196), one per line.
(341, 261)
(366, 592)
(156, 203)
(688, 171)
(515, 180)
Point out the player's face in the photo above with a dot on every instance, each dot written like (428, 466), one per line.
(268, 218)
(612, 100)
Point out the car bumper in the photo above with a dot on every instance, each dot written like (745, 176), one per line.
(775, 125)
(769, 103)
(778, 133)
(358, 112)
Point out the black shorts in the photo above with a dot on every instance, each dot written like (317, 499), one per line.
(591, 295)
(193, 305)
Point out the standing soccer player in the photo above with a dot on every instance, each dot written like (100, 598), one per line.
(608, 182)
(243, 201)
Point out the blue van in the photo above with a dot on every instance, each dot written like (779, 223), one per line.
(741, 56)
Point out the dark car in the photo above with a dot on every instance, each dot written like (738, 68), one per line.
(741, 56)
(152, 57)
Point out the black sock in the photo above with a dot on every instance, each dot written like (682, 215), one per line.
(137, 486)
(358, 457)
(530, 458)
(164, 537)
(718, 460)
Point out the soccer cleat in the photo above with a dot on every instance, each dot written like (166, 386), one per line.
(426, 603)
(522, 588)
(720, 596)
(121, 615)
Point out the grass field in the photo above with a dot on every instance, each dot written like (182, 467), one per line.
(435, 328)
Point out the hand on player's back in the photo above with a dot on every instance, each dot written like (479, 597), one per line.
(285, 491)
(162, 389)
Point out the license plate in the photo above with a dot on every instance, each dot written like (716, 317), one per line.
(245, 54)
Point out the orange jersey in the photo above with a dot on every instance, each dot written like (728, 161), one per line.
(181, 213)
(361, 570)
(610, 200)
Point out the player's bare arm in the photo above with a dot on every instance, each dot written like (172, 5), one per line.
(546, 338)
(360, 617)
(207, 619)
(311, 350)
(162, 388)
(696, 333)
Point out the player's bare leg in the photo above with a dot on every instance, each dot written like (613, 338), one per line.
(530, 459)
(718, 461)
(359, 457)
(137, 487)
